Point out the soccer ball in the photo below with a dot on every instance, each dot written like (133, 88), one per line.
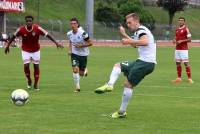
(19, 97)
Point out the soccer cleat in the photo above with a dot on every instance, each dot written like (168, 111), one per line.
(77, 91)
(190, 81)
(29, 84)
(35, 87)
(118, 115)
(177, 80)
(103, 89)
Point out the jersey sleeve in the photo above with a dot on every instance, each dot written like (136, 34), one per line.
(141, 32)
(188, 33)
(42, 31)
(18, 32)
(85, 36)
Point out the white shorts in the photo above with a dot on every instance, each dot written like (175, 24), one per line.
(27, 57)
(181, 56)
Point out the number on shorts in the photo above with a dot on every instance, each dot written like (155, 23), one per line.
(125, 63)
(74, 62)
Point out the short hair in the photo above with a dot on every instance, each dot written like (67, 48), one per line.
(75, 19)
(29, 16)
(133, 15)
(181, 18)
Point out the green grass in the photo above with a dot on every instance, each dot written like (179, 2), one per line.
(158, 106)
(53, 10)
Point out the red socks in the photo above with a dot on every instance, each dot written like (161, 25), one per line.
(179, 70)
(27, 72)
(188, 71)
(36, 75)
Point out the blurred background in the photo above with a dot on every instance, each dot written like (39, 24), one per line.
(161, 16)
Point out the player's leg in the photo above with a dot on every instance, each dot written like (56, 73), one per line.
(83, 71)
(36, 76)
(185, 59)
(126, 97)
(27, 73)
(137, 73)
(178, 66)
(26, 57)
(116, 71)
(76, 78)
(188, 71)
(36, 61)
(75, 69)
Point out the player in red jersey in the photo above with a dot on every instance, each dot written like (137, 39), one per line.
(183, 36)
(30, 34)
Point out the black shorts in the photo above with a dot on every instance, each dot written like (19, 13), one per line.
(136, 71)
(79, 61)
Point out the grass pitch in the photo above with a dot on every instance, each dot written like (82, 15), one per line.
(158, 106)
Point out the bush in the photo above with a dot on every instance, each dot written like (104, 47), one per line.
(135, 6)
(107, 14)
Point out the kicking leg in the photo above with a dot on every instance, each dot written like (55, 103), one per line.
(113, 78)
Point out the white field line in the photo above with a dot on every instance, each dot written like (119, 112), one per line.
(156, 86)
(148, 95)
(168, 96)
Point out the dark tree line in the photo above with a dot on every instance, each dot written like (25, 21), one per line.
(114, 11)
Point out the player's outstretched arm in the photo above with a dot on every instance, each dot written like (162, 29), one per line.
(53, 40)
(8, 44)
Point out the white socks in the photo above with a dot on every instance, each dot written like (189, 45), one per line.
(114, 75)
(76, 78)
(127, 94)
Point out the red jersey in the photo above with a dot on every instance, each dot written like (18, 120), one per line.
(30, 38)
(182, 34)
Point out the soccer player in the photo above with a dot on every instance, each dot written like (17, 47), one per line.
(134, 71)
(79, 42)
(30, 34)
(183, 36)
(4, 37)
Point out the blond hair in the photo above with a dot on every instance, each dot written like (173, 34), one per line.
(133, 15)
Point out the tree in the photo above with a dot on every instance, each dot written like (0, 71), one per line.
(172, 6)
(109, 11)
(106, 13)
(135, 6)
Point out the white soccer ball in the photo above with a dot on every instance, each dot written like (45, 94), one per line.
(19, 97)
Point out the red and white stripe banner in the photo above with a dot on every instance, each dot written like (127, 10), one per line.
(12, 6)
